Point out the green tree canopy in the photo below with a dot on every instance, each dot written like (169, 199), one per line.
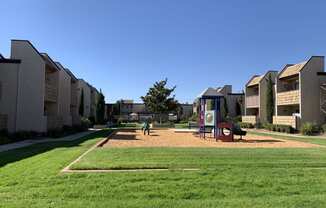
(100, 108)
(159, 99)
(270, 99)
(81, 104)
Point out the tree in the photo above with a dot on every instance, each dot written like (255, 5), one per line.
(159, 100)
(81, 104)
(270, 99)
(225, 109)
(238, 108)
(100, 108)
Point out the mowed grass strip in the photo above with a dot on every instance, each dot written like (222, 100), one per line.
(203, 158)
(30, 177)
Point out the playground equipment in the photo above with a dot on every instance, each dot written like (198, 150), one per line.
(210, 119)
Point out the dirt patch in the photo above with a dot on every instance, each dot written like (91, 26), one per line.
(168, 138)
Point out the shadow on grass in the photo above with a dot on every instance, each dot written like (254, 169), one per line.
(15, 155)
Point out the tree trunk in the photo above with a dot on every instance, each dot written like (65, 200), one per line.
(160, 118)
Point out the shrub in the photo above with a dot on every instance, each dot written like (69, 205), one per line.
(279, 128)
(237, 119)
(258, 125)
(92, 120)
(163, 125)
(310, 129)
(323, 128)
(55, 133)
(69, 129)
(246, 125)
(286, 129)
(4, 137)
(85, 124)
(307, 129)
(22, 135)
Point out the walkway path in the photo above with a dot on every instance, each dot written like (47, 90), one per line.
(29, 142)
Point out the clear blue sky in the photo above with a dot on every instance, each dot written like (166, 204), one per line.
(124, 46)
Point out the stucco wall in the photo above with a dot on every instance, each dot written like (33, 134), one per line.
(64, 97)
(30, 108)
(82, 85)
(263, 95)
(94, 97)
(74, 103)
(310, 92)
(9, 87)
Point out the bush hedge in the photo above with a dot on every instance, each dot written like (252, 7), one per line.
(246, 125)
(279, 128)
(6, 137)
(311, 129)
(163, 125)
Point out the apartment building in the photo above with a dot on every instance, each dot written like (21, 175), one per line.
(9, 71)
(234, 101)
(74, 113)
(64, 95)
(32, 104)
(84, 88)
(94, 97)
(300, 93)
(256, 98)
(38, 94)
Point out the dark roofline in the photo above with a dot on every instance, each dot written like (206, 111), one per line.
(10, 61)
(71, 74)
(286, 66)
(30, 45)
(66, 70)
(232, 93)
(45, 54)
(321, 73)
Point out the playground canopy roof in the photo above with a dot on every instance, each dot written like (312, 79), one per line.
(210, 93)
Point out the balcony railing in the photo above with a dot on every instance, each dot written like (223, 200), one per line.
(51, 93)
(249, 119)
(288, 98)
(285, 120)
(252, 101)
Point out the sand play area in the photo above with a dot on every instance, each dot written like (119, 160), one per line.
(169, 138)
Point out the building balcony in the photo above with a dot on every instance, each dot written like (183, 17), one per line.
(288, 98)
(249, 119)
(285, 120)
(252, 101)
(51, 93)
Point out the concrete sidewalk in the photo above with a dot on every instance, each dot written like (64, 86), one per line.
(30, 142)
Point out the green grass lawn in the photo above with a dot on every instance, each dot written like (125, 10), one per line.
(30, 177)
(309, 139)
